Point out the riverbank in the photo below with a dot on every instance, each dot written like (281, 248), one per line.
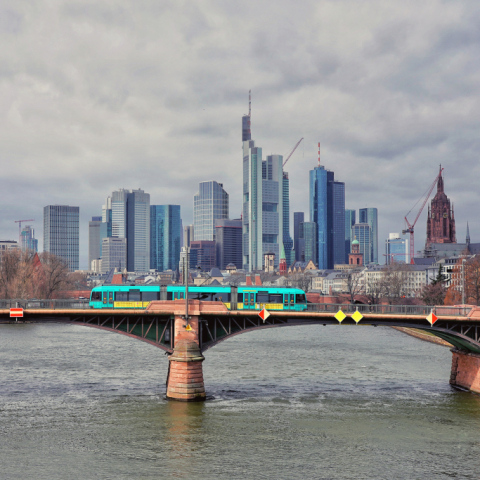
(424, 336)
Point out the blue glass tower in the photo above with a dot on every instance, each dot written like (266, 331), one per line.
(165, 232)
(287, 239)
(370, 216)
(327, 210)
(349, 223)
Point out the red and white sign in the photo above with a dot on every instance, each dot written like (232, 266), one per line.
(432, 318)
(264, 314)
(16, 312)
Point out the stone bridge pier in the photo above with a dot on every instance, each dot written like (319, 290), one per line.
(465, 372)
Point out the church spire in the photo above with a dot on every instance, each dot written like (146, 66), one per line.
(440, 181)
(467, 241)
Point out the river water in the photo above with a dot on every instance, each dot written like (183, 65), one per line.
(336, 402)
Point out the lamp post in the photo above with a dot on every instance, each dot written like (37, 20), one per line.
(463, 280)
(185, 279)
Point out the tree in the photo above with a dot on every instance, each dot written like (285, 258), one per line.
(394, 279)
(354, 283)
(54, 274)
(303, 281)
(433, 294)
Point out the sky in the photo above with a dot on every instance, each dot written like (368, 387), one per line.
(100, 95)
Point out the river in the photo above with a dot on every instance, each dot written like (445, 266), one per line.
(335, 402)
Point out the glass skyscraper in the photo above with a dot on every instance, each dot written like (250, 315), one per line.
(370, 216)
(349, 223)
(327, 210)
(94, 239)
(228, 243)
(61, 233)
(308, 233)
(209, 204)
(298, 218)
(165, 232)
(28, 240)
(396, 249)
(363, 233)
(287, 239)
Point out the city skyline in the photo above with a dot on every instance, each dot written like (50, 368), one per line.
(386, 111)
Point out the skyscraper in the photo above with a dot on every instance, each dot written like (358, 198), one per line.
(370, 216)
(298, 218)
(61, 233)
(228, 243)
(349, 223)
(188, 235)
(209, 204)
(114, 254)
(94, 227)
(327, 210)
(308, 232)
(362, 232)
(28, 240)
(287, 239)
(165, 232)
(202, 254)
(262, 206)
(396, 249)
(130, 219)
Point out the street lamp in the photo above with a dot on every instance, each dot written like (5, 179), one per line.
(463, 280)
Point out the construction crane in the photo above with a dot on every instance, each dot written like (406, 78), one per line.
(410, 227)
(20, 229)
(292, 152)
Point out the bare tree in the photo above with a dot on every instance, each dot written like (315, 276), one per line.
(394, 279)
(55, 274)
(354, 283)
(303, 281)
(374, 289)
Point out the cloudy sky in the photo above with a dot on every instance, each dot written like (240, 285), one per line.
(102, 94)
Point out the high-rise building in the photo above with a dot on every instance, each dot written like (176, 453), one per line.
(370, 216)
(188, 235)
(28, 240)
(94, 239)
(349, 223)
(308, 232)
(441, 218)
(246, 133)
(262, 206)
(228, 243)
(130, 213)
(165, 233)
(362, 232)
(61, 233)
(114, 254)
(327, 210)
(202, 254)
(209, 204)
(396, 249)
(287, 239)
(298, 246)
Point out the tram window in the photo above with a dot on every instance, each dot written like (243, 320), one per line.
(205, 296)
(285, 299)
(262, 297)
(96, 296)
(301, 298)
(121, 296)
(240, 297)
(221, 297)
(169, 295)
(134, 296)
(149, 296)
(276, 298)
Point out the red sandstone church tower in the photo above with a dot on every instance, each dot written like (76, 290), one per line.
(441, 219)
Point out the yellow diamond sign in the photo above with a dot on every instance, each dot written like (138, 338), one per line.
(357, 316)
(188, 328)
(340, 316)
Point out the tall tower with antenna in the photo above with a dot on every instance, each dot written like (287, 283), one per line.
(246, 119)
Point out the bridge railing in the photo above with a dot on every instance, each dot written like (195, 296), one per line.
(421, 310)
(52, 304)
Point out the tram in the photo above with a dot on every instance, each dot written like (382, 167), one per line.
(234, 298)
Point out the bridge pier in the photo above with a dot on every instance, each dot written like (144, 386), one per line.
(185, 375)
(465, 370)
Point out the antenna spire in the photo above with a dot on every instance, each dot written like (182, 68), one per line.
(249, 103)
(318, 153)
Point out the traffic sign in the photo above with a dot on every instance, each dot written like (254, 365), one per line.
(432, 318)
(264, 314)
(16, 312)
(188, 328)
(357, 316)
(340, 316)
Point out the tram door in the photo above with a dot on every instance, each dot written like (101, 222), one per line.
(178, 295)
(288, 301)
(107, 299)
(249, 300)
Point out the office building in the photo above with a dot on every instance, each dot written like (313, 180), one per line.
(350, 220)
(209, 204)
(7, 245)
(202, 254)
(308, 236)
(370, 216)
(396, 249)
(165, 233)
(287, 239)
(228, 243)
(28, 242)
(130, 219)
(61, 233)
(94, 239)
(188, 235)
(362, 232)
(114, 254)
(327, 210)
(298, 246)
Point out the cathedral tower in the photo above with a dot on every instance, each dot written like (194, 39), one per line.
(441, 219)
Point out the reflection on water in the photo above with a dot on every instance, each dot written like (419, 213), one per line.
(307, 402)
